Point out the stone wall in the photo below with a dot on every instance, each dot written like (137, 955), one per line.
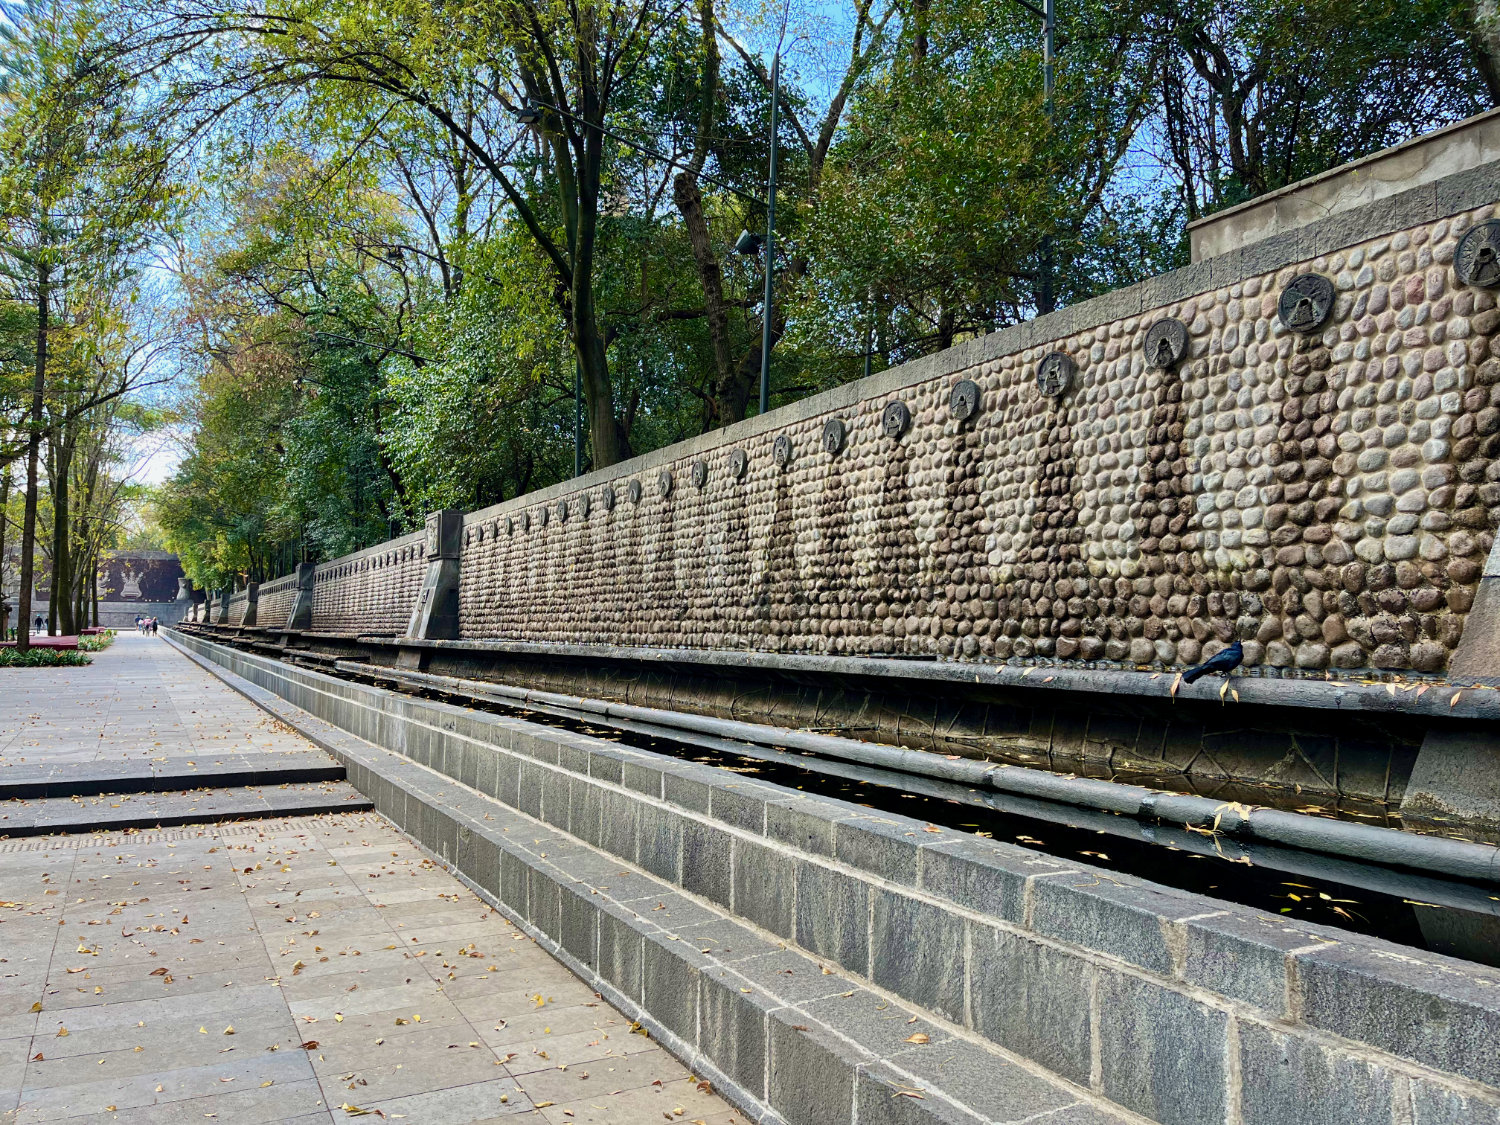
(1326, 498)
(276, 602)
(1182, 1008)
(372, 591)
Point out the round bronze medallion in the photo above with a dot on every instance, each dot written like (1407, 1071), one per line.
(633, 491)
(607, 497)
(834, 436)
(1055, 373)
(781, 451)
(1306, 303)
(895, 418)
(664, 483)
(1477, 257)
(1166, 344)
(700, 473)
(583, 506)
(562, 511)
(963, 403)
(739, 462)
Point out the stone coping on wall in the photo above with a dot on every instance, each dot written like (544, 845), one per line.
(1431, 698)
(1450, 195)
(1178, 1006)
(1293, 250)
(411, 539)
(1463, 145)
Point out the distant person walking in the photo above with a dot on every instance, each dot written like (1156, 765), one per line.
(41, 623)
(153, 626)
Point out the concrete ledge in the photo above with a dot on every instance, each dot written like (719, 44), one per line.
(1476, 699)
(781, 1034)
(1175, 1006)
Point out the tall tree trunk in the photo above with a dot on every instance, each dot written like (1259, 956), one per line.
(33, 449)
(1482, 18)
(62, 547)
(5, 482)
(731, 392)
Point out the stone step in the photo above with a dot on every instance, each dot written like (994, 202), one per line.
(114, 812)
(88, 779)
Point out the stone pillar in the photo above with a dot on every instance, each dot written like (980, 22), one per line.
(252, 603)
(301, 615)
(1477, 657)
(435, 616)
(224, 595)
(185, 590)
(1457, 771)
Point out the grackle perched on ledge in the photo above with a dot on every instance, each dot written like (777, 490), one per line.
(1224, 661)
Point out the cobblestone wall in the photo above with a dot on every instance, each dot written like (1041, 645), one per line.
(275, 602)
(372, 591)
(238, 603)
(1326, 498)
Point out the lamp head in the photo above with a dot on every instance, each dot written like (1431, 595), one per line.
(748, 244)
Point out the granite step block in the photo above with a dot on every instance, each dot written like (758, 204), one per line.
(89, 779)
(114, 812)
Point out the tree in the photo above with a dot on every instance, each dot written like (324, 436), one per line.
(82, 188)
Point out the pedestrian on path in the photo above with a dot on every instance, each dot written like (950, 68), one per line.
(40, 623)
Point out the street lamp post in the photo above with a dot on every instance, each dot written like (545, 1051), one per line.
(1046, 301)
(766, 301)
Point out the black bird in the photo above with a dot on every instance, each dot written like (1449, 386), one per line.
(1224, 661)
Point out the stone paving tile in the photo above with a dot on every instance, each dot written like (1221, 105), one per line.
(140, 699)
(281, 970)
(275, 970)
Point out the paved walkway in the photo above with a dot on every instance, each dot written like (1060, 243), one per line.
(140, 699)
(315, 969)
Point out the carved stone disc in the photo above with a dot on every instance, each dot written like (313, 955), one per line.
(583, 506)
(1477, 258)
(700, 473)
(1166, 344)
(1055, 373)
(739, 462)
(562, 511)
(1306, 303)
(895, 418)
(543, 515)
(608, 497)
(664, 483)
(525, 521)
(633, 491)
(963, 403)
(834, 436)
(781, 451)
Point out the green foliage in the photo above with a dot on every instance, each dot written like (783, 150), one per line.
(391, 287)
(42, 658)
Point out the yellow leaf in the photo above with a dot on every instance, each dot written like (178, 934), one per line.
(1454, 700)
(266, 1083)
(229, 1030)
(919, 1037)
(37, 1007)
(62, 1033)
(1177, 683)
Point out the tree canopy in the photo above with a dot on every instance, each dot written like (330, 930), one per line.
(406, 248)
